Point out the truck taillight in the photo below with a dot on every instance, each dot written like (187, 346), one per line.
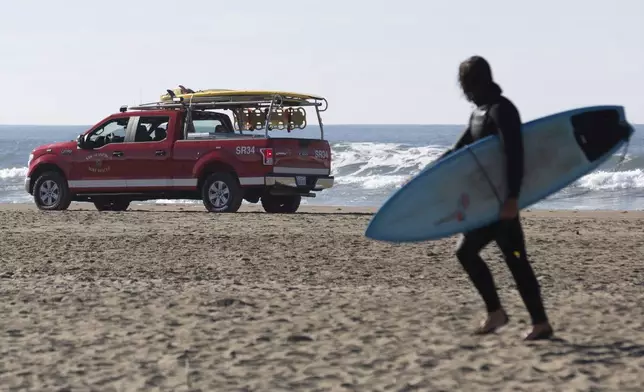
(267, 155)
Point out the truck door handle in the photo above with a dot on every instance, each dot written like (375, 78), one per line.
(159, 152)
(118, 153)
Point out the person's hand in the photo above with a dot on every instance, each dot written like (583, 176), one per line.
(510, 209)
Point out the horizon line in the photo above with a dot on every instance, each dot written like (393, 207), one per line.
(325, 124)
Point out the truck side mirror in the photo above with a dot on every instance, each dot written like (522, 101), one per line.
(80, 141)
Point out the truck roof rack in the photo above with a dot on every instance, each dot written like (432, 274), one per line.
(231, 102)
(231, 99)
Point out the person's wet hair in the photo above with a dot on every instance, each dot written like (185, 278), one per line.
(474, 76)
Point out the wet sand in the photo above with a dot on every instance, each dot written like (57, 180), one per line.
(164, 298)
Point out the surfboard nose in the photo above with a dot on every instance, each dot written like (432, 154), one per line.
(599, 131)
(379, 228)
(372, 231)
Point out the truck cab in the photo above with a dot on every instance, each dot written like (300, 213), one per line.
(217, 146)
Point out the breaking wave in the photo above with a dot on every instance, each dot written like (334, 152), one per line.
(389, 165)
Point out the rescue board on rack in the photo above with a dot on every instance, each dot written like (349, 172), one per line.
(223, 93)
(464, 190)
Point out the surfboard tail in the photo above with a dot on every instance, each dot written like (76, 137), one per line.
(599, 132)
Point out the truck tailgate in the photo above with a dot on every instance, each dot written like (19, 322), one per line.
(301, 156)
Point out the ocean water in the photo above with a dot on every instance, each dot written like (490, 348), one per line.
(369, 163)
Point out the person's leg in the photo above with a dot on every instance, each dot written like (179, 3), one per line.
(467, 252)
(511, 241)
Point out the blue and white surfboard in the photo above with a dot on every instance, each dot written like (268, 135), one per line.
(464, 190)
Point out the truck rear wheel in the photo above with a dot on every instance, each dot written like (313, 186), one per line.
(51, 192)
(281, 204)
(111, 204)
(221, 193)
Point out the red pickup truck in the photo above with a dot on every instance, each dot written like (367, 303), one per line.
(187, 147)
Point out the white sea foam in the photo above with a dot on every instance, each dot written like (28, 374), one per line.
(13, 173)
(382, 165)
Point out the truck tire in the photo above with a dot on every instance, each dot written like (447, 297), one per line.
(281, 204)
(51, 192)
(112, 204)
(221, 193)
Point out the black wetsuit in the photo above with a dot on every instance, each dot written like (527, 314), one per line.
(495, 114)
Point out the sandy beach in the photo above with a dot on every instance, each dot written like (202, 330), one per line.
(167, 298)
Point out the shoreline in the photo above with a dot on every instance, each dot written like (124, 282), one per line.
(328, 209)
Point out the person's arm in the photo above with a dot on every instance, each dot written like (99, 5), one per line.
(507, 119)
(463, 140)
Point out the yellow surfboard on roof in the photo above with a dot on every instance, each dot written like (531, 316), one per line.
(225, 93)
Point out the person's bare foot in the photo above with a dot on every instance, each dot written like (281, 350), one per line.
(539, 331)
(494, 321)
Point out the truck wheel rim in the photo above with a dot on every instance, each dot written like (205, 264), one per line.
(49, 192)
(219, 194)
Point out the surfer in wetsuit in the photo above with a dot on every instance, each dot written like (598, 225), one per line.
(495, 114)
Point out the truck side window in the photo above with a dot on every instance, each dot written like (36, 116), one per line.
(152, 129)
(111, 132)
(209, 127)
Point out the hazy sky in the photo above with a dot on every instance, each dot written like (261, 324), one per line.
(75, 62)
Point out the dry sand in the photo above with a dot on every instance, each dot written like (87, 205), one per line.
(167, 298)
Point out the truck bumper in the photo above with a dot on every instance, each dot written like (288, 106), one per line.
(297, 181)
(27, 184)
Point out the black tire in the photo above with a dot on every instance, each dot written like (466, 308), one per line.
(221, 193)
(112, 204)
(281, 204)
(51, 192)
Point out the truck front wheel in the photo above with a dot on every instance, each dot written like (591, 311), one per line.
(221, 193)
(51, 192)
(281, 204)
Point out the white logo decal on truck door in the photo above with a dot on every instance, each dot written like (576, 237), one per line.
(98, 159)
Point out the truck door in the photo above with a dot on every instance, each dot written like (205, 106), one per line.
(149, 156)
(100, 165)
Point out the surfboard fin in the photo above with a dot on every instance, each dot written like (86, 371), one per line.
(185, 90)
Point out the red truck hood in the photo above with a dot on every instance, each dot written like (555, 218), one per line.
(55, 147)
